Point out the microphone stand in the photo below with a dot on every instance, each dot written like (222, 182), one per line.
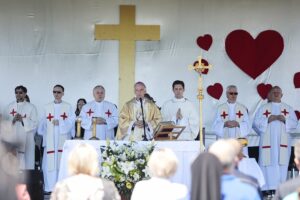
(144, 124)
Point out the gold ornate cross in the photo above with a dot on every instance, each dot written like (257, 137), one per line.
(127, 32)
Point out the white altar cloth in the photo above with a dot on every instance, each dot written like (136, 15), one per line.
(186, 152)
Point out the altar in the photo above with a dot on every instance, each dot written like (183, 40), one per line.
(186, 152)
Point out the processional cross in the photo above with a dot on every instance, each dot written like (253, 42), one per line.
(127, 32)
(200, 67)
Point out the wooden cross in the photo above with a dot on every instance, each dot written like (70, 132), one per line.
(127, 32)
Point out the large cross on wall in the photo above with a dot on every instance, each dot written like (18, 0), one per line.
(127, 32)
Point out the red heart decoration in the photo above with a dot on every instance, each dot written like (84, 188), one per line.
(263, 90)
(204, 42)
(297, 80)
(297, 114)
(215, 90)
(254, 56)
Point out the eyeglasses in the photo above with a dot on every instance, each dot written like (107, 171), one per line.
(233, 93)
(19, 92)
(57, 92)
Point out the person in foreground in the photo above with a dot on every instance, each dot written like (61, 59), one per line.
(292, 185)
(162, 165)
(231, 186)
(206, 177)
(84, 183)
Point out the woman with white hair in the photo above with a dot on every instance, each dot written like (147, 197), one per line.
(84, 183)
(162, 165)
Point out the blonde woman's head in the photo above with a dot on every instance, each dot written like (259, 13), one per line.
(162, 163)
(83, 160)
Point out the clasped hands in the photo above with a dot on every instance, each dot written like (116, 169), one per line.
(139, 124)
(276, 117)
(231, 124)
(100, 120)
(18, 117)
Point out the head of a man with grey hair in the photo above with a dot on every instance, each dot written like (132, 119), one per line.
(226, 153)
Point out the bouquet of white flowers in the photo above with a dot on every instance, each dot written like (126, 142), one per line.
(125, 164)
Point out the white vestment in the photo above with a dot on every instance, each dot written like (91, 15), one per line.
(104, 109)
(25, 131)
(190, 117)
(232, 111)
(274, 173)
(53, 138)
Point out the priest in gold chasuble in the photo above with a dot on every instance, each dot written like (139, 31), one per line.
(131, 117)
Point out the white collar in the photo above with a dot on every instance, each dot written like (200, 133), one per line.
(178, 100)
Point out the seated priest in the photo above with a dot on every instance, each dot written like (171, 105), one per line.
(138, 117)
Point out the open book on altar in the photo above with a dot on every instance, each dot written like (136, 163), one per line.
(167, 130)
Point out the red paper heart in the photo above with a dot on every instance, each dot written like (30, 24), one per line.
(297, 114)
(297, 80)
(254, 56)
(263, 90)
(204, 42)
(215, 90)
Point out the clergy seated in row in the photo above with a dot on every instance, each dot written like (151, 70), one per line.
(274, 121)
(55, 126)
(232, 119)
(138, 117)
(24, 118)
(181, 112)
(103, 112)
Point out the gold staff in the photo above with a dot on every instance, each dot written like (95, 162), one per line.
(199, 68)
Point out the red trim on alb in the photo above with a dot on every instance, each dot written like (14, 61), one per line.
(266, 147)
(50, 152)
(60, 150)
(283, 145)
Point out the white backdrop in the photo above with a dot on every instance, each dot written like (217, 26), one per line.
(45, 42)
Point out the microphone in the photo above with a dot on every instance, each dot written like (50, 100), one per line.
(144, 124)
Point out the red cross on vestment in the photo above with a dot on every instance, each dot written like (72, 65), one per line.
(285, 112)
(49, 117)
(266, 113)
(239, 114)
(108, 113)
(64, 116)
(90, 112)
(13, 112)
(224, 114)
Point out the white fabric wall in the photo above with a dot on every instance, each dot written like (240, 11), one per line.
(44, 42)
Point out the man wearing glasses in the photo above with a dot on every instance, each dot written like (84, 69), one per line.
(232, 119)
(55, 127)
(274, 121)
(23, 116)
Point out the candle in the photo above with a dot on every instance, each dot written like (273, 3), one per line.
(94, 127)
(78, 127)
